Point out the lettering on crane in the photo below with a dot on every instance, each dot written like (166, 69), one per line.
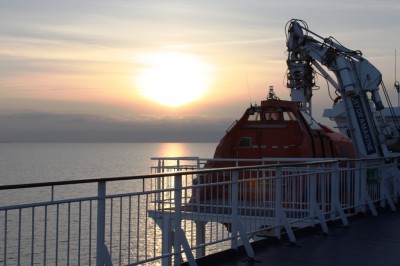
(363, 125)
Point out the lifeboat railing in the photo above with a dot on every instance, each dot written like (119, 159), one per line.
(184, 211)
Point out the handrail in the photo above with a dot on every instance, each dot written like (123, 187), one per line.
(244, 200)
(124, 178)
(198, 171)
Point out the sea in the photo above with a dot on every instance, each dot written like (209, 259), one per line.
(22, 163)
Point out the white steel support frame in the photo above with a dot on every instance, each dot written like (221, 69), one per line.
(173, 234)
(167, 236)
(179, 235)
(176, 233)
(237, 227)
(280, 216)
(314, 207)
(357, 192)
(336, 206)
(385, 175)
(238, 232)
(365, 197)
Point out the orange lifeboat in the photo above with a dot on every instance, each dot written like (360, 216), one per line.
(279, 129)
(275, 129)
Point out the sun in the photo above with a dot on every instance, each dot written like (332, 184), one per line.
(173, 79)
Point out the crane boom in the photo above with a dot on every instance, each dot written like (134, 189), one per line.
(355, 78)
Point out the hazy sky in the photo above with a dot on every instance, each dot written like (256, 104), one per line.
(95, 70)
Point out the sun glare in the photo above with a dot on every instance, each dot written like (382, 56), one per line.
(173, 79)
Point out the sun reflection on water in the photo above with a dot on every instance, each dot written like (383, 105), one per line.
(173, 150)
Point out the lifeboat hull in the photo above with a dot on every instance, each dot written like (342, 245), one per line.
(276, 129)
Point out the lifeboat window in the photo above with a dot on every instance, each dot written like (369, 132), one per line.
(289, 116)
(245, 142)
(271, 116)
(254, 116)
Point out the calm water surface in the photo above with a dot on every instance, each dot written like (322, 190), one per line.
(40, 162)
(69, 226)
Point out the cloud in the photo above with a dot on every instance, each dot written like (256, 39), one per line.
(51, 127)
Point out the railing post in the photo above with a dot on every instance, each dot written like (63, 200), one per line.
(278, 201)
(158, 184)
(365, 197)
(334, 190)
(198, 163)
(385, 193)
(237, 229)
(101, 217)
(335, 196)
(179, 234)
(363, 184)
(280, 215)
(159, 166)
(235, 209)
(200, 238)
(397, 178)
(312, 200)
(312, 195)
(382, 177)
(178, 218)
(358, 202)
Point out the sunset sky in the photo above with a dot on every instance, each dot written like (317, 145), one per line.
(164, 70)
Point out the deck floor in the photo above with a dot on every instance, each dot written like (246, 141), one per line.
(367, 241)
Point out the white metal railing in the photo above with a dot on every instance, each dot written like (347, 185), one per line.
(184, 211)
(253, 202)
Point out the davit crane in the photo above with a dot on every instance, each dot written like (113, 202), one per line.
(356, 80)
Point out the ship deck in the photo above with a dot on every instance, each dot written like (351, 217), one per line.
(368, 240)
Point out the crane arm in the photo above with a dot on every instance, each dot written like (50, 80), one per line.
(357, 81)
